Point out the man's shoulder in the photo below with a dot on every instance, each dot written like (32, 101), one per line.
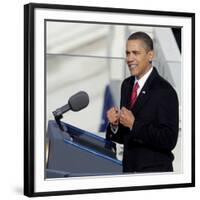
(162, 86)
(129, 80)
(162, 83)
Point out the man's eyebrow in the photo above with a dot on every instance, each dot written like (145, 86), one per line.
(133, 51)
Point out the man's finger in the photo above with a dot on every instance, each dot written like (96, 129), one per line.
(124, 110)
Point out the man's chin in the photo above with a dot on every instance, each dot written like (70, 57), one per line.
(133, 72)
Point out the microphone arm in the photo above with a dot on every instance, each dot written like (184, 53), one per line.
(58, 114)
(59, 111)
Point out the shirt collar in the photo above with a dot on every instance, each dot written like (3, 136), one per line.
(143, 79)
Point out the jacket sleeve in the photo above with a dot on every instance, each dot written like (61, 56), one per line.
(163, 133)
(119, 135)
(116, 137)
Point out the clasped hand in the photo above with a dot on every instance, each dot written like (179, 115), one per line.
(123, 116)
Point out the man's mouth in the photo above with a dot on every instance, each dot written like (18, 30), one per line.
(132, 66)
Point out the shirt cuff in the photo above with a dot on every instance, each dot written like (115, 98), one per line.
(114, 128)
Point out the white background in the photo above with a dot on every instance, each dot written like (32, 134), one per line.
(11, 77)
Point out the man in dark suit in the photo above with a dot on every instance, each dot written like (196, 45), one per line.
(147, 122)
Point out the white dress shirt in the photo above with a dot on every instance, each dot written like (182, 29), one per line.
(143, 80)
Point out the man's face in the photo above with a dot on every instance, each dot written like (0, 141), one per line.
(138, 58)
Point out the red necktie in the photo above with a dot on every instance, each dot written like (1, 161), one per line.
(134, 94)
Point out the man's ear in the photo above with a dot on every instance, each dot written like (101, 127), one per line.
(151, 55)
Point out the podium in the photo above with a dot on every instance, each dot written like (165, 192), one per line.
(76, 152)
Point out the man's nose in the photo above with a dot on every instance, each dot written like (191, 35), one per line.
(131, 57)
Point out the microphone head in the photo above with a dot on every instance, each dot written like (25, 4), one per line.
(78, 101)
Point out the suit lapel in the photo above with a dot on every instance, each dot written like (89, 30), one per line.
(128, 94)
(145, 93)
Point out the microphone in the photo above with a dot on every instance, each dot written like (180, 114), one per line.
(76, 103)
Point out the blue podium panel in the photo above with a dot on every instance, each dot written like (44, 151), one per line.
(75, 152)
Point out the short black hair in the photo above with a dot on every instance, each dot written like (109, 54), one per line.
(144, 37)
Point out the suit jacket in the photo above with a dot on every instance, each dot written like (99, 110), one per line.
(148, 146)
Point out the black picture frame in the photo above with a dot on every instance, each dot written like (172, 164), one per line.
(30, 95)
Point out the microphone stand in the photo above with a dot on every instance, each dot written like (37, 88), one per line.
(57, 119)
(58, 115)
(64, 130)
